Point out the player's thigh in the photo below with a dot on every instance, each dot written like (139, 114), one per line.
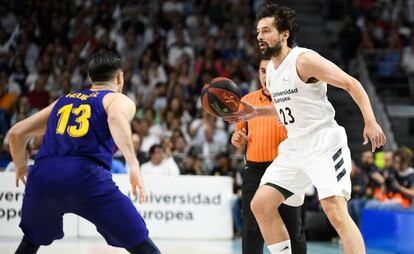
(330, 173)
(118, 221)
(41, 220)
(290, 181)
(113, 213)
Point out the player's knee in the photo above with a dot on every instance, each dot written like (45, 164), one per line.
(261, 207)
(335, 213)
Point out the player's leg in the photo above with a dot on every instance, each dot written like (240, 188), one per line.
(292, 217)
(279, 184)
(336, 210)
(252, 239)
(145, 247)
(113, 213)
(265, 206)
(329, 170)
(27, 247)
(41, 221)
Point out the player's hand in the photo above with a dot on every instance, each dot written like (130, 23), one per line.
(137, 183)
(239, 138)
(374, 133)
(21, 175)
(247, 112)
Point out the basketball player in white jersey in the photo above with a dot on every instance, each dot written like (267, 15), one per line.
(316, 150)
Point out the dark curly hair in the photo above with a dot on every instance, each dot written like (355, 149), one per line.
(285, 19)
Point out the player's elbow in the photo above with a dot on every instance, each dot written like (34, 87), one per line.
(15, 132)
(350, 84)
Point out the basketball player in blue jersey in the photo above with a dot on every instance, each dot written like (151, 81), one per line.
(71, 171)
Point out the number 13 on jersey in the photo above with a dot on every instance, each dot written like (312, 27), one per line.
(83, 113)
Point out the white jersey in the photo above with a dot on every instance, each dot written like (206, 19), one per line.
(302, 107)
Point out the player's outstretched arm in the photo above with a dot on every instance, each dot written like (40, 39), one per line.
(19, 135)
(120, 110)
(312, 65)
(249, 111)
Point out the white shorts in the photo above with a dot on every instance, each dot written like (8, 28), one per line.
(321, 158)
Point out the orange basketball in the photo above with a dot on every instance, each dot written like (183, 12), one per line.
(220, 97)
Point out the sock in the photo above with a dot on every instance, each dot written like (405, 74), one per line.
(280, 248)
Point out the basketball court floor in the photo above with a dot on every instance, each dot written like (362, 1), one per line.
(98, 246)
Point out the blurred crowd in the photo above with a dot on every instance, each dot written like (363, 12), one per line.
(385, 183)
(169, 50)
(384, 29)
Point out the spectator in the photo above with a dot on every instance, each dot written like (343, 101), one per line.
(156, 74)
(177, 50)
(367, 182)
(401, 183)
(39, 97)
(191, 165)
(375, 179)
(7, 102)
(141, 156)
(160, 163)
(399, 190)
(147, 139)
(223, 167)
(208, 146)
(179, 151)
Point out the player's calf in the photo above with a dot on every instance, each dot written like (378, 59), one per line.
(335, 209)
(27, 247)
(145, 247)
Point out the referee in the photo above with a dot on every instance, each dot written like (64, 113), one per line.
(263, 136)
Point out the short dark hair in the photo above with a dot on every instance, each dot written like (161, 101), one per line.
(103, 66)
(153, 147)
(405, 155)
(285, 19)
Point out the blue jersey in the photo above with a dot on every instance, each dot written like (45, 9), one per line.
(78, 126)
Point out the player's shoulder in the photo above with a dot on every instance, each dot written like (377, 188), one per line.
(115, 97)
(306, 56)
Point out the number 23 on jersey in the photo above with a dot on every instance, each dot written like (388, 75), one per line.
(83, 113)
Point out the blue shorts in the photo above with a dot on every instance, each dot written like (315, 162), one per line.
(56, 186)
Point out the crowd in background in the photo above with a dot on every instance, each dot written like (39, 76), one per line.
(383, 31)
(170, 49)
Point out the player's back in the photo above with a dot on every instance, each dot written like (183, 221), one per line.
(78, 127)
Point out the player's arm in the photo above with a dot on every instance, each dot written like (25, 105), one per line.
(249, 112)
(120, 111)
(312, 65)
(20, 133)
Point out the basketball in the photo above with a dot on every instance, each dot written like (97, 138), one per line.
(220, 97)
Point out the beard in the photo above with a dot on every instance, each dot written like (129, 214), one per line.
(268, 52)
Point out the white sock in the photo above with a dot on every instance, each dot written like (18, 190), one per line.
(280, 248)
